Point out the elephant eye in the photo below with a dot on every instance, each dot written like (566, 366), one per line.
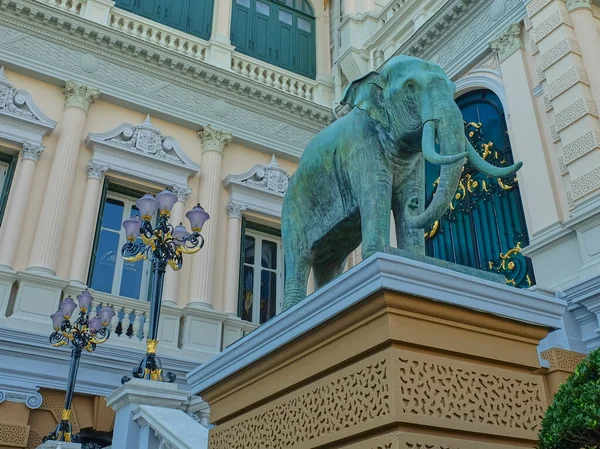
(410, 85)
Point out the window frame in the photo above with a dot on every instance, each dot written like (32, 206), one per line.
(128, 197)
(11, 163)
(260, 233)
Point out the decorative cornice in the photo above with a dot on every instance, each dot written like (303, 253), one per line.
(234, 210)
(270, 178)
(20, 392)
(32, 151)
(79, 95)
(573, 5)
(96, 170)
(181, 87)
(509, 42)
(214, 139)
(182, 192)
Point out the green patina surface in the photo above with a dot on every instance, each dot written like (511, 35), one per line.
(370, 162)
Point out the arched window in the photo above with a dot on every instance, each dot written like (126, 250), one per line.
(485, 226)
(192, 16)
(280, 32)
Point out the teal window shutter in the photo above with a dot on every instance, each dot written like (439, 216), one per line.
(176, 13)
(151, 9)
(127, 5)
(285, 39)
(241, 25)
(200, 18)
(97, 232)
(261, 39)
(305, 47)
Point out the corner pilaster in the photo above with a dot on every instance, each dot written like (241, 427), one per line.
(509, 42)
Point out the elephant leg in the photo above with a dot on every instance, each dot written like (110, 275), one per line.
(413, 192)
(327, 272)
(297, 268)
(375, 206)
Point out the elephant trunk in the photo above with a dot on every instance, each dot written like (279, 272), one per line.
(450, 129)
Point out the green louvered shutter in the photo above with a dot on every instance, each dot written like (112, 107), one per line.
(200, 18)
(97, 232)
(241, 25)
(6, 179)
(261, 33)
(284, 39)
(176, 13)
(151, 9)
(305, 47)
(127, 5)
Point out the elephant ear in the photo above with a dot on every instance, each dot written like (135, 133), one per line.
(366, 93)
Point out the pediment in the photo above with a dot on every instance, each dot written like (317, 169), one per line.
(22, 121)
(141, 150)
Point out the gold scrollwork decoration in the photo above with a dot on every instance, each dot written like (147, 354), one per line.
(185, 250)
(173, 265)
(486, 150)
(136, 258)
(434, 229)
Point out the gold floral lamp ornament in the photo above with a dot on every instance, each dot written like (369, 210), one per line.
(163, 244)
(83, 333)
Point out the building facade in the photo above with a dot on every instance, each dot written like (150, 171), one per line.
(102, 101)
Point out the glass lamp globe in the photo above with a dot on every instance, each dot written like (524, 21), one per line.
(67, 306)
(57, 319)
(180, 234)
(106, 313)
(197, 217)
(85, 298)
(166, 200)
(147, 205)
(132, 228)
(95, 324)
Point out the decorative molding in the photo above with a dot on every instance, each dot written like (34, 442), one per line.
(573, 5)
(567, 80)
(214, 139)
(559, 51)
(581, 146)
(20, 119)
(535, 6)
(550, 24)
(19, 391)
(509, 42)
(14, 435)
(234, 210)
(95, 170)
(562, 359)
(182, 192)
(585, 184)
(575, 111)
(51, 43)
(483, 79)
(143, 152)
(79, 96)
(260, 189)
(32, 151)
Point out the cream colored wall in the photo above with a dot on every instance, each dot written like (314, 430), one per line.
(102, 117)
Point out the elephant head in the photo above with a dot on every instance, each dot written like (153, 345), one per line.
(413, 101)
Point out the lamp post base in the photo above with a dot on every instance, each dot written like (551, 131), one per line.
(63, 430)
(150, 368)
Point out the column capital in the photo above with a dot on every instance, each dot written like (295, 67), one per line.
(96, 170)
(32, 151)
(234, 210)
(572, 5)
(182, 192)
(79, 95)
(508, 42)
(214, 139)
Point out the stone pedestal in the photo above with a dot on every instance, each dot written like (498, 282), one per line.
(393, 354)
(201, 332)
(235, 328)
(59, 445)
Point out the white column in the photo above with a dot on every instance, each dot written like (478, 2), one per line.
(527, 141)
(88, 218)
(15, 213)
(589, 41)
(49, 233)
(203, 263)
(220, 48)
(232, 258)
(177, 216)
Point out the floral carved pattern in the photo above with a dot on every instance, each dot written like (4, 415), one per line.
(342, 403)
(469, 395)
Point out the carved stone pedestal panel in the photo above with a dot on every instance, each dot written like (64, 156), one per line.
(393, 355)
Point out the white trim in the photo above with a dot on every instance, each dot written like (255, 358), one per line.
(380, 271)
(152, 158)
(483, 80)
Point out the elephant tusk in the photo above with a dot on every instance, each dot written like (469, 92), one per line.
(486, 167)
(428, 144)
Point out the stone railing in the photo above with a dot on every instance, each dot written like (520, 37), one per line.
(272, 76)
(391, 9)
(130, 323)
(157, 34)
(72, 6)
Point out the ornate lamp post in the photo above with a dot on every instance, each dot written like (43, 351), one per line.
(163, 245)
(83, 333)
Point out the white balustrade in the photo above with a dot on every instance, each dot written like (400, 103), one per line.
(130, 322)
(157, 34)
(72, 6)
(391, 9)
(272, 76)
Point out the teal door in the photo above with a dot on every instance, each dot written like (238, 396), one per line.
(191, 16)
(484, 226)
(280, 32)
